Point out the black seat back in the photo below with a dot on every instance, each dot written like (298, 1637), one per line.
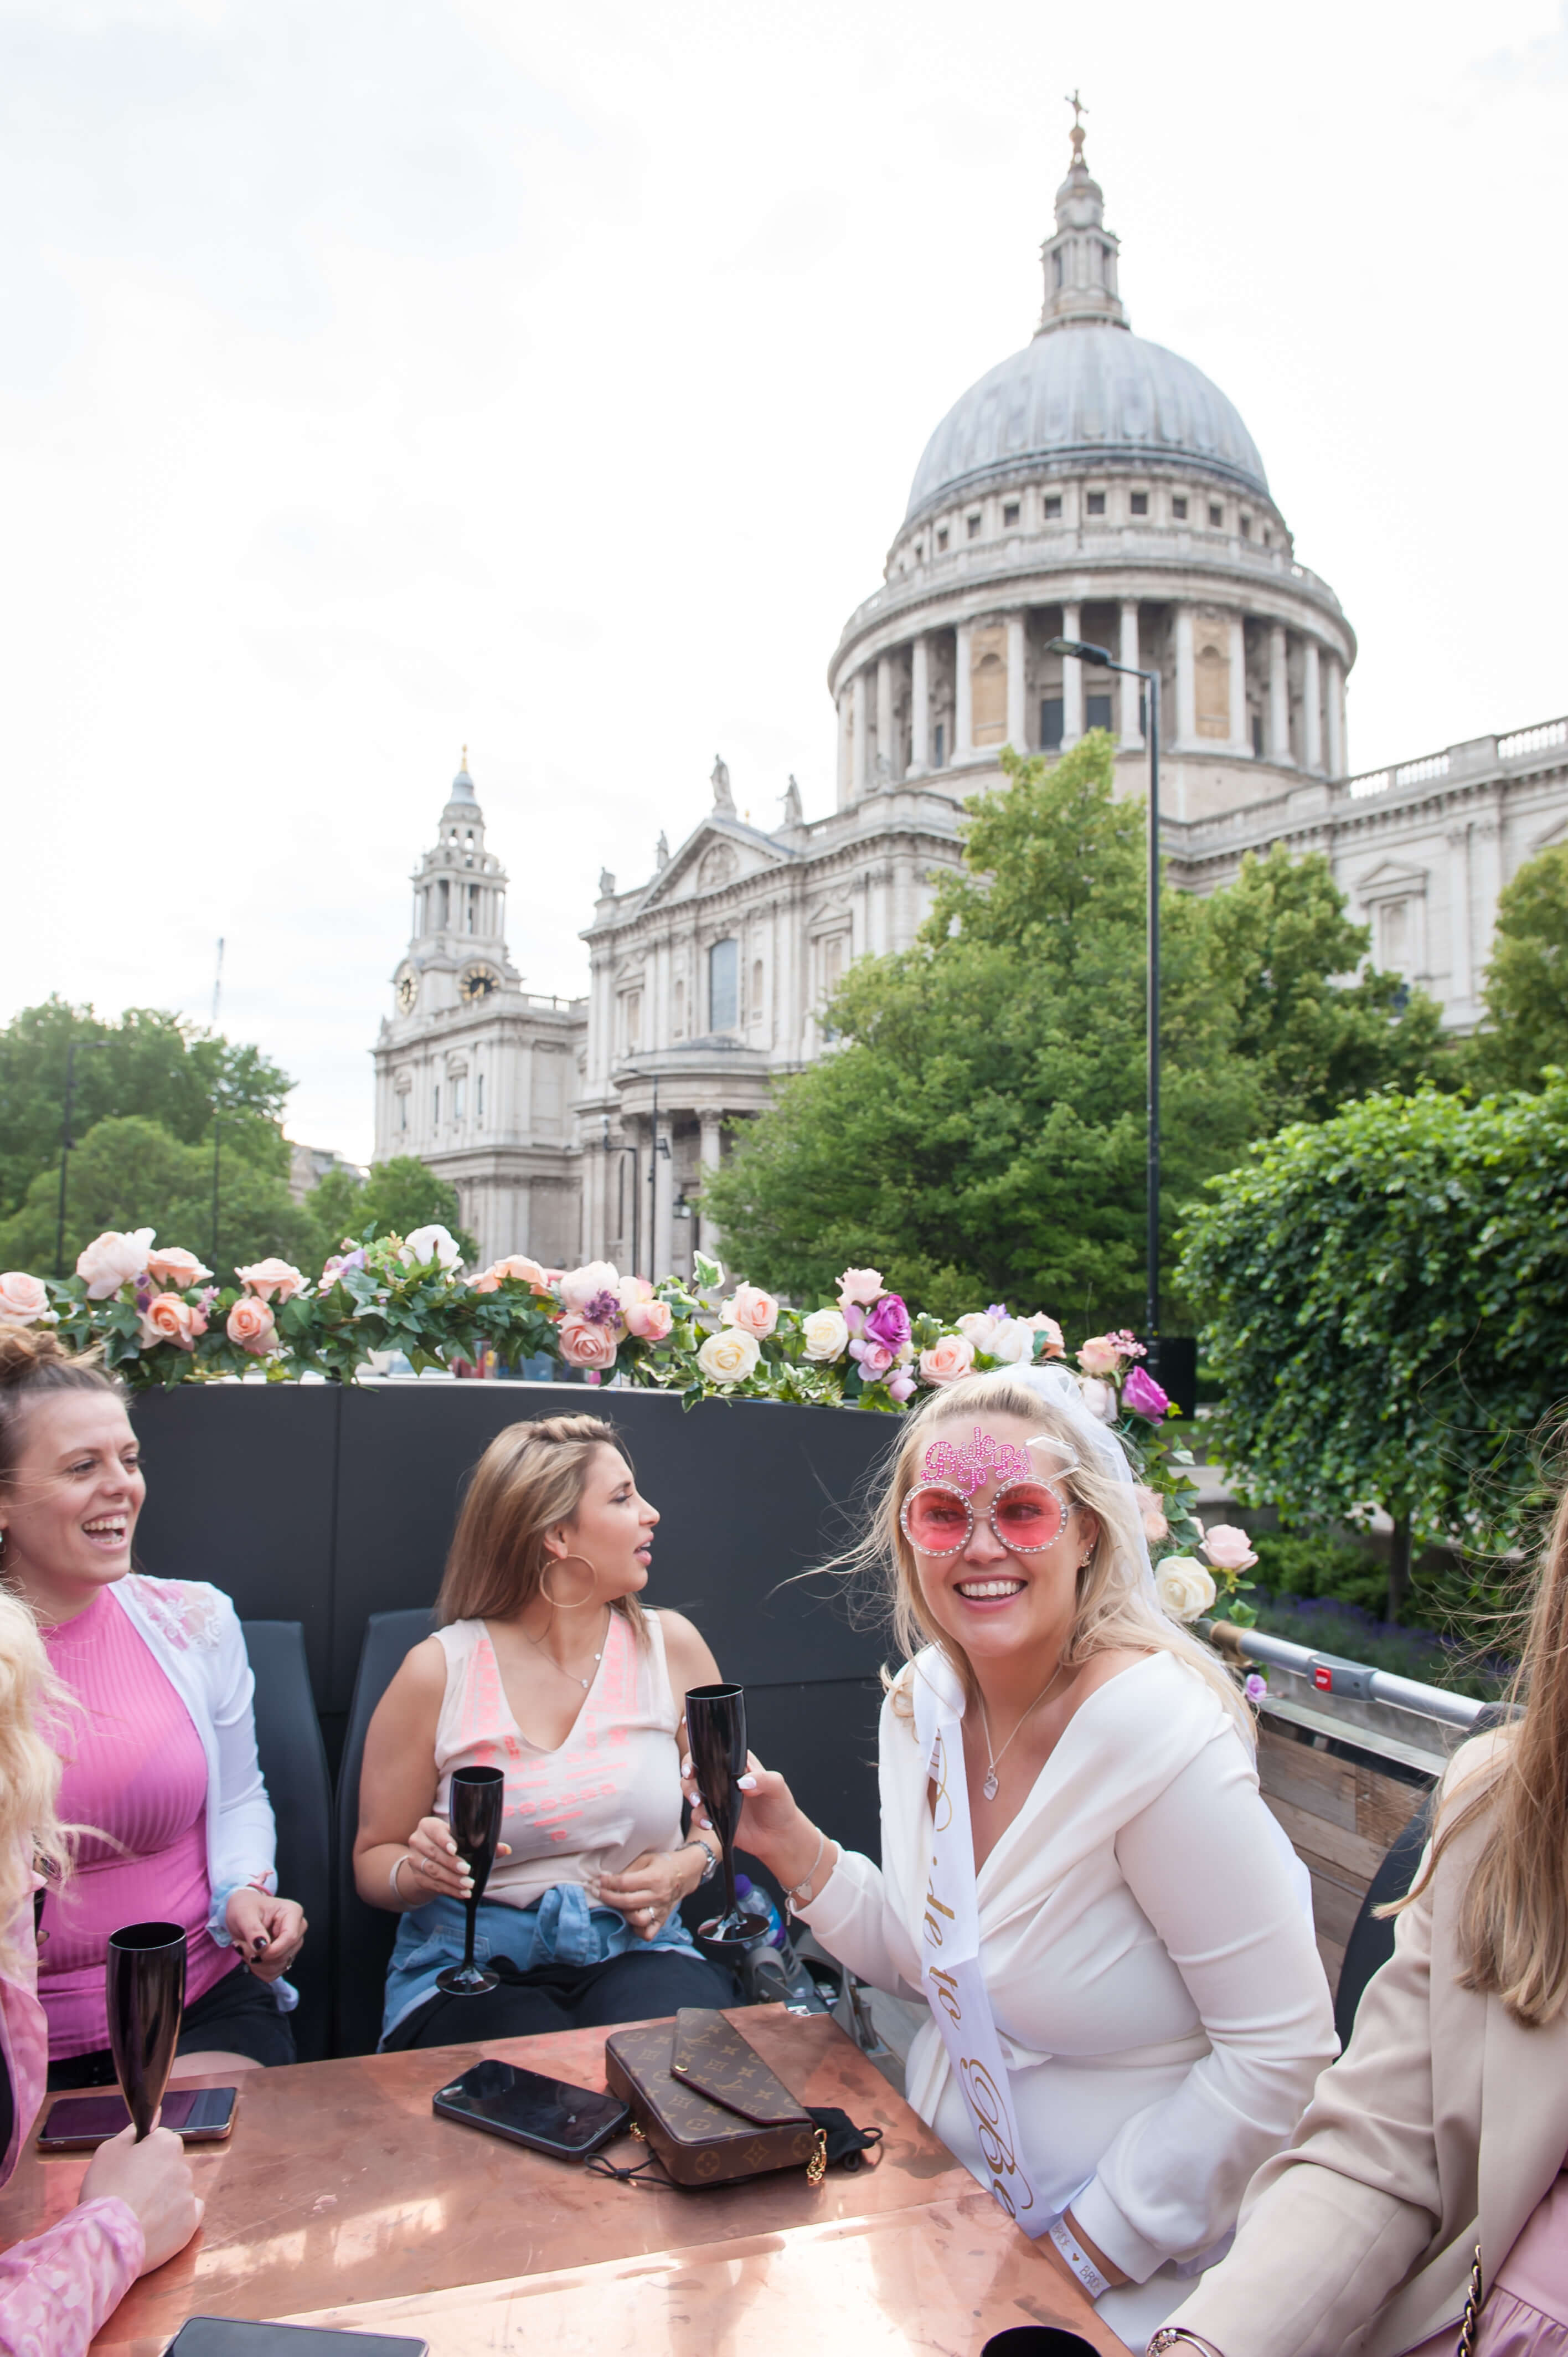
(293, 1767)
(365, 1934)
(1371, 1940)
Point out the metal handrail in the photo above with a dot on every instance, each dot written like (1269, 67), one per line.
(1333, 1673)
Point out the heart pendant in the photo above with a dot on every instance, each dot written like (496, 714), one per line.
(989, 1787)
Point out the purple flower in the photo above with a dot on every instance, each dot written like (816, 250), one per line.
(1144, 1396)
(901, 1386)
(1253, 1686)
(997, 1310)
(888, 1323)
(604, 1309)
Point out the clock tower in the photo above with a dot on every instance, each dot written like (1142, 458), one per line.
(474, 1075)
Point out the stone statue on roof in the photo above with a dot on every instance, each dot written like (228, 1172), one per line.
(723, 798)
(794, 814)
(661, 852)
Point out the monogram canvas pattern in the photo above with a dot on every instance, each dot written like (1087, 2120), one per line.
(699, 2140)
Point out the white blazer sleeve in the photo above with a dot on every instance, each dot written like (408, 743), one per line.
(242, 1837)
(853, 1919)
(1202, 1863)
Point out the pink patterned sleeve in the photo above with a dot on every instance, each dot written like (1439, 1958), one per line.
(57, 2289)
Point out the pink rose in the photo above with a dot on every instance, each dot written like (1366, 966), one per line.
(901, 1386)
(1100, 1356)
(1144, 1396)
(1041, 1324)
(113, 1260)
(633, 1289)
(1150, 1505)
(23, 1299)
(754, 1311)
(874, 1358)
(582, 1343)
(272, 1280)
(249, 1325)
(168, 1319)
(949, 1360)
(586, 1283)
(649, 1321)
(1227, 1548)
(859, 1284)
(174, 1266)
(524, 1271)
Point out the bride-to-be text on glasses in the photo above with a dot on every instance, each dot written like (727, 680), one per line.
(1025, 1513)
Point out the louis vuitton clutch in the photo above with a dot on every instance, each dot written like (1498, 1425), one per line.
(707, 2103)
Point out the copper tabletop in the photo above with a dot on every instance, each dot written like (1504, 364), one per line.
(340, 2187)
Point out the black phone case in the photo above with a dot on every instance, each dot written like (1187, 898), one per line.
(233, 2336)
(532, 2143)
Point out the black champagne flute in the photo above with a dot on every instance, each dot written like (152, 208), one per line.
(475, 1807)
(144, 1988)
(715, 1734)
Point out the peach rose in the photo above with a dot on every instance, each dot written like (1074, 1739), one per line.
(114, 1259)
(730, 1356)
(1152, 1506)
(1100, 1356)
(649, 1321)
(1227, 1548)
(250, 1325)
(172, 1266)
(168, 1319)
(949, 1360)
(824, 1335)
(517, 1265)
(581, 1285)
(272, 1280)
(584, 1344)
(24, 1300)
(1041, 1324)
(1098, 1398)
(754, 1311)
(859, 1284)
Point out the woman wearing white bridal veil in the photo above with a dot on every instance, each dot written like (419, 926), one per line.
(1126, 2008)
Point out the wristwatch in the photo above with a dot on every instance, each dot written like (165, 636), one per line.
(711, 1866)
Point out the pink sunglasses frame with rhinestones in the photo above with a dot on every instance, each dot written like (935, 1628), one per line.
(959, 1472)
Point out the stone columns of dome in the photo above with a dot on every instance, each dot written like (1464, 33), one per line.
(886, 753)
(1239, 741)
(1130, 731)
(1073, 682)
(920, 706)
(963, 694)
(1185, 683)
(1279, 700)
(662, 1188)
(1333, 712)
(1017, 707)
(1461, 978)
(862, 736)
(846, 748)
(711, 1155)
(1488, 880)
(1312, 709)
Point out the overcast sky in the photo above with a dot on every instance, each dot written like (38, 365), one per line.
(379, 376)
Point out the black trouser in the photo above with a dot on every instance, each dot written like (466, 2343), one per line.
(642, 1985)
(237, 2014)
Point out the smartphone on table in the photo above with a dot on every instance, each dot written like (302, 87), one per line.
(80, 2123)
(547, 2114)
(232, 2336)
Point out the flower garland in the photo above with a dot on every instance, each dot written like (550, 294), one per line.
(159, 1320)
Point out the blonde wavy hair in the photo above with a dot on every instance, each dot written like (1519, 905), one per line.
(1116, 1604)
(530, 1478)
(32, 1702)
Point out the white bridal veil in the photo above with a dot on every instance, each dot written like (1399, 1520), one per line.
(1093, 1439)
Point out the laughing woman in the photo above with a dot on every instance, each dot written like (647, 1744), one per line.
(545, 1665)
(1078, 1876)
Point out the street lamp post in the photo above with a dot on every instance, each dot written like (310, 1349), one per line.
(659, 1146)
(636, 1182)
(1101, 657)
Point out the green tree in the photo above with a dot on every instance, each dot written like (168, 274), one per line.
(1277, 939)
(398, 1196)
(1386, 1304)
(147, 1063)
(1527, 982)
(132, 1173)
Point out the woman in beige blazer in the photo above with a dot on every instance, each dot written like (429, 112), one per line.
(1445, 2122)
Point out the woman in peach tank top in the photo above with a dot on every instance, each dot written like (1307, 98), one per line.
(545, 1665)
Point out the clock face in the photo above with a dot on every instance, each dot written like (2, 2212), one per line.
(476, 984)
(407, 990)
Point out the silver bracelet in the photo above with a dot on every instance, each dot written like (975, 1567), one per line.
(1169, 2335)
(711, 1865)
(398, 1863)
(802, 1890)
(1077, 2259)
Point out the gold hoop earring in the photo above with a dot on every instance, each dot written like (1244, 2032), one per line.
(555, 1606)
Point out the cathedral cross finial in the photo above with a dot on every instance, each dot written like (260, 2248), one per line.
(1077, 133)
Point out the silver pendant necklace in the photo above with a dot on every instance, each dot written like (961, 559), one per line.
(576, 1681)
(994, 1759)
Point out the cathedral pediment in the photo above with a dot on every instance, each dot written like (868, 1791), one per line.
(721, 851)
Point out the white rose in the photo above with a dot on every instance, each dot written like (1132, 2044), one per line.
(729, 1356)
(824, 1334)
(1098, 1398)
(1184, 1587)
(1012, 1342)
(24, 1300)
(434, 1242)
(114, 1259)
(977, 1328)
(581, 1285)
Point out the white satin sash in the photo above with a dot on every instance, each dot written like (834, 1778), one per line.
(950, 1949)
